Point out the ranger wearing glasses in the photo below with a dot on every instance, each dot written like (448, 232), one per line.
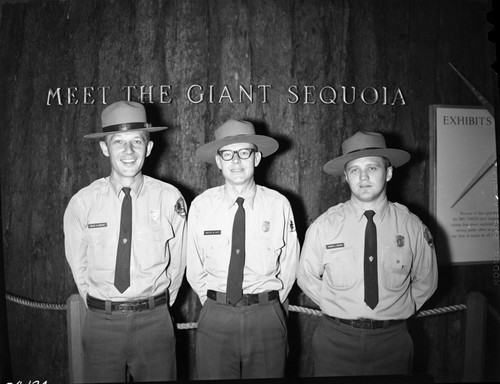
(242, 257)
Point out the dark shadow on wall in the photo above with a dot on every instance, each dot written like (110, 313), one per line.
(5, 360)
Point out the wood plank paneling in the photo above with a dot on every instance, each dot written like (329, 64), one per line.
(404, 44)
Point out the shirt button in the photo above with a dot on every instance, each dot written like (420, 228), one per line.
(237, 251)
(125, 241)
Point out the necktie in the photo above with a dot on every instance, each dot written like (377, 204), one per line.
(370, 262)
(122, 269)
(235, 274)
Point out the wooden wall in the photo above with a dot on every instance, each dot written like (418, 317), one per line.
(397, 44)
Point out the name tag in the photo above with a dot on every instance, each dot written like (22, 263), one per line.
(97, 225)
(212, 232)
(333, 246)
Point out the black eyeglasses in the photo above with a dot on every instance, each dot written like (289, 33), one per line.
(243, 153)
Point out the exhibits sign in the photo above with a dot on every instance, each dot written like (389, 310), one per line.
(464, 188)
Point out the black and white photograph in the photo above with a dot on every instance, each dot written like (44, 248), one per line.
(261, 190)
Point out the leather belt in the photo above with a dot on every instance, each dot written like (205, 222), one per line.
(247, 299)
(127, 306)
(366, 323)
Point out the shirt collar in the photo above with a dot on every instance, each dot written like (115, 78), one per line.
(359, 211)
(249, 196)
(135, 188)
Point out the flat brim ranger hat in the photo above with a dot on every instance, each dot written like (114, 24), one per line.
(123, 116)
(364, 144)
(236, 131)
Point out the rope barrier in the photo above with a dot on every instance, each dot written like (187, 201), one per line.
(307, 311)
(292, 308)
(439, 311)
(424, 313)
(35, 304)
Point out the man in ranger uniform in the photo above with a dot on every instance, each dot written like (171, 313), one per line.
(369, 264)
(242, 258)
(125, 244)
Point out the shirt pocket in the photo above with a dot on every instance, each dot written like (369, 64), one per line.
(102, 247)
(396, 266)
(151, 244)
(217, 253)
(340, 268)
(262, 254)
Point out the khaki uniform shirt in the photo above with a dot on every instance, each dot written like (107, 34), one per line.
(272, 249)
(92, 227)
(331, 264)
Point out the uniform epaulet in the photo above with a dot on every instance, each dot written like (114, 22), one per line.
(339, 208)
(212, 191)
(155, 183)
(207, 194)
(96, 185)
(401, 207)
(170, 189)
(273, 193)
(336, 210)
(152, 182)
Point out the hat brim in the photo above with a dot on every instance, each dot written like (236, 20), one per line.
(397, 158)
(266, 145)
(100, 135)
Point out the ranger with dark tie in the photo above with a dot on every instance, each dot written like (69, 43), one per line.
(369, 264)
(125, 244)
(242, 257)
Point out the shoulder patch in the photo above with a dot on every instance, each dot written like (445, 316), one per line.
(428, 237)
(180, 207)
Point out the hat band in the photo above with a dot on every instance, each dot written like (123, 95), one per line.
(364, 149)
(125, 127)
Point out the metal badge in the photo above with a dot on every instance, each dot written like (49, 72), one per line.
(265, 226)
(400, 240)
(155, 215)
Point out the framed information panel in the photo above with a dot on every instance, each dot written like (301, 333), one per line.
(463, 184)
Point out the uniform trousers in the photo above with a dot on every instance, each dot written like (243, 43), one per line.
(242, 342)
(342, 350)
(142, 341)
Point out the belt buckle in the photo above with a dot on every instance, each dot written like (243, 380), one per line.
(243, 302)
(134, 307)
(141, 306)
(363, 323)
(124, 307)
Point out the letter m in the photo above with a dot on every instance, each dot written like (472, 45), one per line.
(54, 94)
